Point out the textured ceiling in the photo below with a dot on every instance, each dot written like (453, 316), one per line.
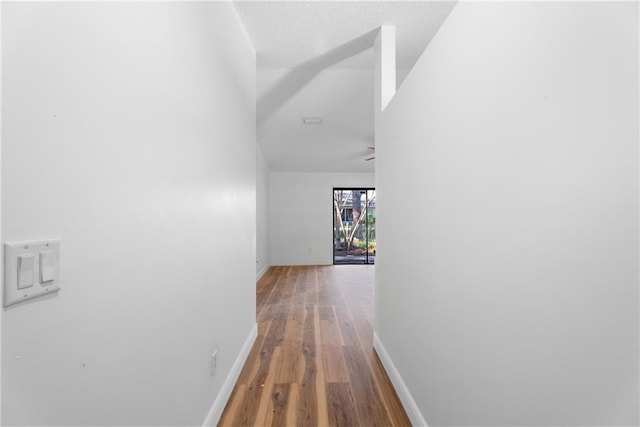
(288, 34)
(315, 60)
(343, 99)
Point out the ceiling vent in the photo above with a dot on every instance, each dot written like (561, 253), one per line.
(312, 121)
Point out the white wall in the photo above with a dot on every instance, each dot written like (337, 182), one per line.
(129, 132)
(508, 163)
(301, 215)
(1, 236)
(262, 214)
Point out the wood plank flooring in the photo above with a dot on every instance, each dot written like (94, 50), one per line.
(313, 362)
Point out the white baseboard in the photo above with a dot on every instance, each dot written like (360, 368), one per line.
(223, 396)
(410, 406)
(261, 272)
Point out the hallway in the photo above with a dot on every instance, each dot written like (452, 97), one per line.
(174, 151)
(313, 362)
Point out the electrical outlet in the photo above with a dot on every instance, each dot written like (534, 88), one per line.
(214, 361)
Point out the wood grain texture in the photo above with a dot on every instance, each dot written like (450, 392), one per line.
(313, 363)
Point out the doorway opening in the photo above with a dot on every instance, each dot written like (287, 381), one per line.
(354, 225)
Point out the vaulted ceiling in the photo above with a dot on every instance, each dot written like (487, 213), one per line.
(315, 60)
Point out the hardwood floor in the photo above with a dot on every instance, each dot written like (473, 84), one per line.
(313, 362)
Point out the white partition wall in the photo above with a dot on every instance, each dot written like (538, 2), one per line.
(262, 215)
(508, 161)
(128, 131)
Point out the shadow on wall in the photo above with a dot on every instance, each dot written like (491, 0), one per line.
(297, 78)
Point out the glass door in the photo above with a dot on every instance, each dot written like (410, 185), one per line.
(354, 226)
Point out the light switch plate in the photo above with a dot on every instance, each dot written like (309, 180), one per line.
(15, 256)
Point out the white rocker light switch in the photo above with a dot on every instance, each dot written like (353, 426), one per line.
(48, 266)
(26, 268)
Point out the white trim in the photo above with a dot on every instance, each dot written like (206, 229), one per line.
(410, 406)
(223, 396)
(261, 272)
